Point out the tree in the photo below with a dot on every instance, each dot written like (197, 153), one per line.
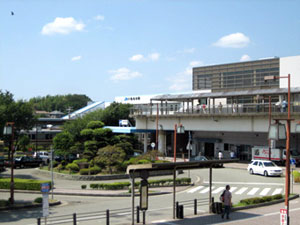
(23, 142)
(63, 143)
(110, 156)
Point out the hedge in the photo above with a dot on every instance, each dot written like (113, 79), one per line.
(22, 184)
(72, 167)
(93, 171)
(152, 183)
(256, 200)
(296, 175)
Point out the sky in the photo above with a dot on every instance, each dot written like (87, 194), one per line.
(105, 49)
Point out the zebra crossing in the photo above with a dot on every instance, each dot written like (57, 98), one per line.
(251, 191)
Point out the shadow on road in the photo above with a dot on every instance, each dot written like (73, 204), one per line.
(212, 219)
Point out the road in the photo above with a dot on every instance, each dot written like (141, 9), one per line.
(160, 207)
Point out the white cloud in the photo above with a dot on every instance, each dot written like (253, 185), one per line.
(183, 80)
(154, 56)
(99, 17)
(245, 58)
(124, 74)
(76, 58)
(138, 57)
(63, 26)
(236, 40)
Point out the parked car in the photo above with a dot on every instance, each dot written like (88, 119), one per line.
(203, 158)
(264, 167)
(25, 161)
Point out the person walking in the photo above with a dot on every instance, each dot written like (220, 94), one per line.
(220, 155)
(227, 202)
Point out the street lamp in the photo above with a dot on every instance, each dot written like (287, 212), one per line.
(9, 130)
(288, 131)
(277, 131)
(180, 130)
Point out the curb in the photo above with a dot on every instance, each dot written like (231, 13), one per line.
(263, 204)
(32, 205)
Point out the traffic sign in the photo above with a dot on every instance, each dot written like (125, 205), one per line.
(45, 187)
(283, 216)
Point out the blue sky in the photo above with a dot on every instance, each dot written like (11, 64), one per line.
(134, 47)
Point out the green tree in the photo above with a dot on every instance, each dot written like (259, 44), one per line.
(110, 156)
(63, 142)
(23, 142)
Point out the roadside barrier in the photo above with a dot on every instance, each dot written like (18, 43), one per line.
(190, 204)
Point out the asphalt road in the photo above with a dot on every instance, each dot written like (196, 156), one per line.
(160, 207)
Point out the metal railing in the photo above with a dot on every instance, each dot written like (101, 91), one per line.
(229, 109)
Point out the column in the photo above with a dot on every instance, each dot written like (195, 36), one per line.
(162, 141)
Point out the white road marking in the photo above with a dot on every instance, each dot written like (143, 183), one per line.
(241, 191)
(195, 189)
(232, 189)
(206, 190)
(243, 183)
(216, 191)
(253, 191)
(277, 191)
(265, 191)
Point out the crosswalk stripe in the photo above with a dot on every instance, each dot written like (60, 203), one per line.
(232, 189)
(216, 191)
(206, 190)
(265, 191)
(253, 191)
(195, 189)
(277, 191)
(241, 191)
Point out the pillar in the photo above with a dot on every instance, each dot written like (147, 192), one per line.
(162, 141)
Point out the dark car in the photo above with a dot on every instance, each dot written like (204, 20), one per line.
(203, 158)
(26, 161)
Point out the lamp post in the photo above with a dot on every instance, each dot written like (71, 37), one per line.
(288, 131)
(37, 129)
(9, 130)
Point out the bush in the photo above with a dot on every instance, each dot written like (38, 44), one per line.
(256, 200)
(84, 172)
(296, 175)
(92, 171)
(83, 186)
(22, 184)
(38, 200)
(4, 203)
(278, 196)
(111, 186)
(143, 161)
(73, 167)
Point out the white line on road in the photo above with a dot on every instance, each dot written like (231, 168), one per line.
(253, 191)
(265, 191)
(195, 189)
(206, 190)
(216, 191)
(232, 189)
(228, 182)
(241, 191)
(277, 191)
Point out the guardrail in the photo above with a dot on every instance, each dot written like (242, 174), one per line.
(232, 109)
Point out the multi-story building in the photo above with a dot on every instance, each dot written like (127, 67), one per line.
(232, 114)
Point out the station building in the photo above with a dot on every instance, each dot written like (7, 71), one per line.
(228, 109)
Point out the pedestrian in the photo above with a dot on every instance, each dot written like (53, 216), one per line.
(220, 155)
(227, 202)
(284, 105)
(220, 106)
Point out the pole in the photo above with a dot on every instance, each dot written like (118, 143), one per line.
(52, 180)
(174, 191)
(287, 163)
(175, 134)
(132, 198)
(156, 140)
(210, 184)
(12, 165)
(269, 126)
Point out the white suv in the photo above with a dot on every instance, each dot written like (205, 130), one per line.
(264, 167)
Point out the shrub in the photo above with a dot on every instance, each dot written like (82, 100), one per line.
(73, 167)
(278, 196)
(257, 200)
(144, 161)
(92, 171)
(77, 161)
(267, 198)
(4, 203)
(83, 186)
(38, 200)
(22, 184)
(84, 172)
(296, 175)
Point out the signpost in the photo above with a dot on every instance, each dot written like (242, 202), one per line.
(45, 187)
(283, 216)
(293, 166)
(144, 198)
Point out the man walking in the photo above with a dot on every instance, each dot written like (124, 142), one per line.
(227, 202)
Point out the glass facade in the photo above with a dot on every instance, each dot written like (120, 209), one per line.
(236, 76)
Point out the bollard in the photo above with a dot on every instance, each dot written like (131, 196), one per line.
(144, 217)
(137, 214)
(107, 217)
(195, 207)
(38, 221)
(74, 219)
(180, 212)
